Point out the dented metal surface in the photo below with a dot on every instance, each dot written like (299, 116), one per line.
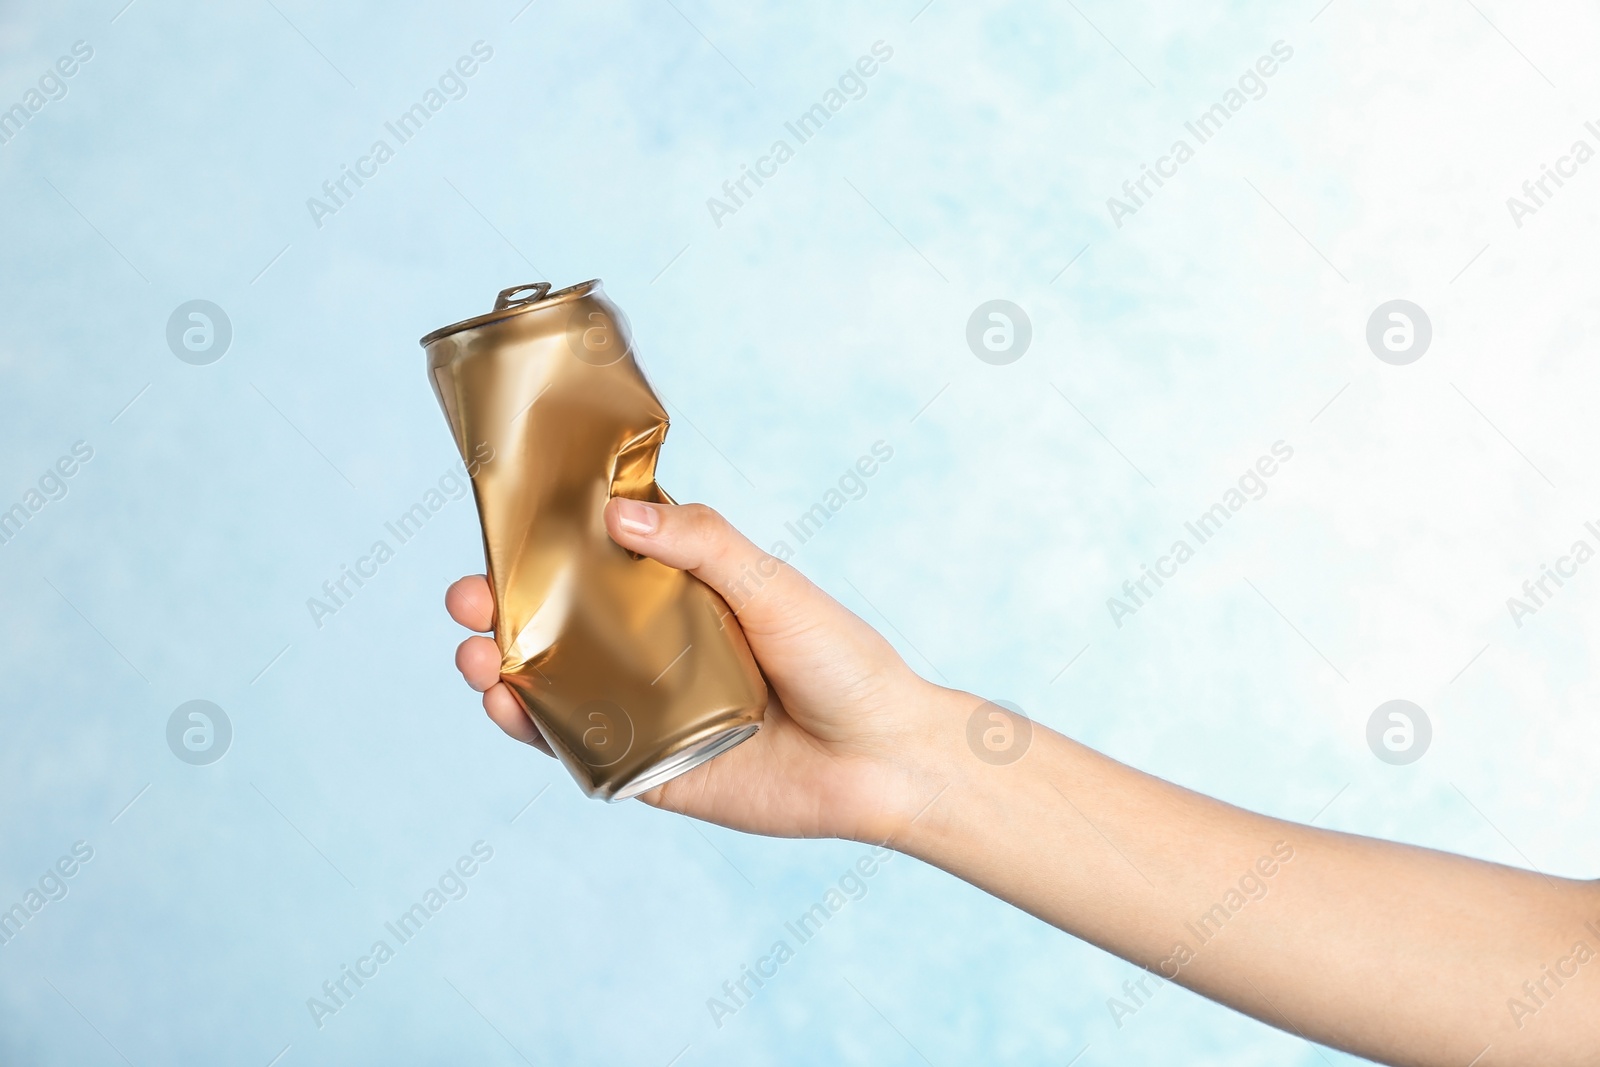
(633, 672)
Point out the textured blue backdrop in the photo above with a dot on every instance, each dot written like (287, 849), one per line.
(1176, 336)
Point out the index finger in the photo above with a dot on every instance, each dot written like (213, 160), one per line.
(470, 603)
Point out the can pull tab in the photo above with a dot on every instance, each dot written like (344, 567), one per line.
(510, 297)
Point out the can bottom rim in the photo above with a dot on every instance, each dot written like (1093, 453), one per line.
(683, 761)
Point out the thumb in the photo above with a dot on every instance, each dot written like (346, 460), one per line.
(764, 592)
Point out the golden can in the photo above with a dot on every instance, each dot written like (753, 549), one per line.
(632, 671)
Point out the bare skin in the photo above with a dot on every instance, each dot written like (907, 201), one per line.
(1400, 954)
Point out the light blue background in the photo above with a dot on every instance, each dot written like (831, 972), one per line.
(826, 314)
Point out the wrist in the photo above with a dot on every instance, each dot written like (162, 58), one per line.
(927, 762)
(972, 768)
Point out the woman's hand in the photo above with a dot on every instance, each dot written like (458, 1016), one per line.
(852, 739)
(1396, 953)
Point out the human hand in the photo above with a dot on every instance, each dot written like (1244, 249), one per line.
(853, 738)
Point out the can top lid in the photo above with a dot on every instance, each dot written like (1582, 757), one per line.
(515, 301)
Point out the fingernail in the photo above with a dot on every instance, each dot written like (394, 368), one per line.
(636, 517)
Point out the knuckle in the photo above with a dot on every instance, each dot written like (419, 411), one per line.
(702, 519)
(708, 527)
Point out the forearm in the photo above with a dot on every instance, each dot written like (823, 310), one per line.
(1397, 953)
